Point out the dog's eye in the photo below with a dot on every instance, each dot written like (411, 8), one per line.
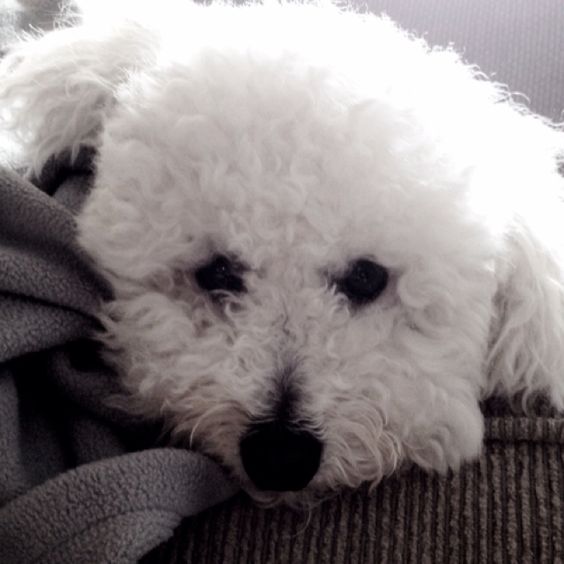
(220, 273)
(363, 282)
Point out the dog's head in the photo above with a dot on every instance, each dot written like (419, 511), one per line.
(324, 254)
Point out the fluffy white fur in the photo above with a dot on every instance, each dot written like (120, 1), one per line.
(298, 138)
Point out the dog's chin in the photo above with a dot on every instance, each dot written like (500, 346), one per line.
(303, 500)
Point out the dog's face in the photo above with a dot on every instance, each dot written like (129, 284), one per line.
(307, 273)
(287, 281)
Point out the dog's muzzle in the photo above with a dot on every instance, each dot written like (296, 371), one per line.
(279, 458)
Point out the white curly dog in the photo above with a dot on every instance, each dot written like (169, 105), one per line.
(328, 242)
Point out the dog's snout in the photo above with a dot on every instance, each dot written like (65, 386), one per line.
(279, 458)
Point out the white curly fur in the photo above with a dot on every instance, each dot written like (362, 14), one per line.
(298, 138)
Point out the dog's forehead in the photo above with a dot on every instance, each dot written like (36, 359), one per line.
(281, 160)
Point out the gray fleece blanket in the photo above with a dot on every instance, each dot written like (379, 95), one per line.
(79, 481)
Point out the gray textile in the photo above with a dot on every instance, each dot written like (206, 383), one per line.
(72, 489)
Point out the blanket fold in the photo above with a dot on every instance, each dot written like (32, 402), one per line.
(80, 516)
(47, 287)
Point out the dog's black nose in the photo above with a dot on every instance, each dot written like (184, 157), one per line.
(278, 458)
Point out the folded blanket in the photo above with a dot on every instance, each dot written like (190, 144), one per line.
(72, 486)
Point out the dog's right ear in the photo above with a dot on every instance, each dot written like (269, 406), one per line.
(56, 89)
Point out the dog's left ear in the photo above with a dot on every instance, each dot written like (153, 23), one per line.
(527, 338)
(55, 90)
